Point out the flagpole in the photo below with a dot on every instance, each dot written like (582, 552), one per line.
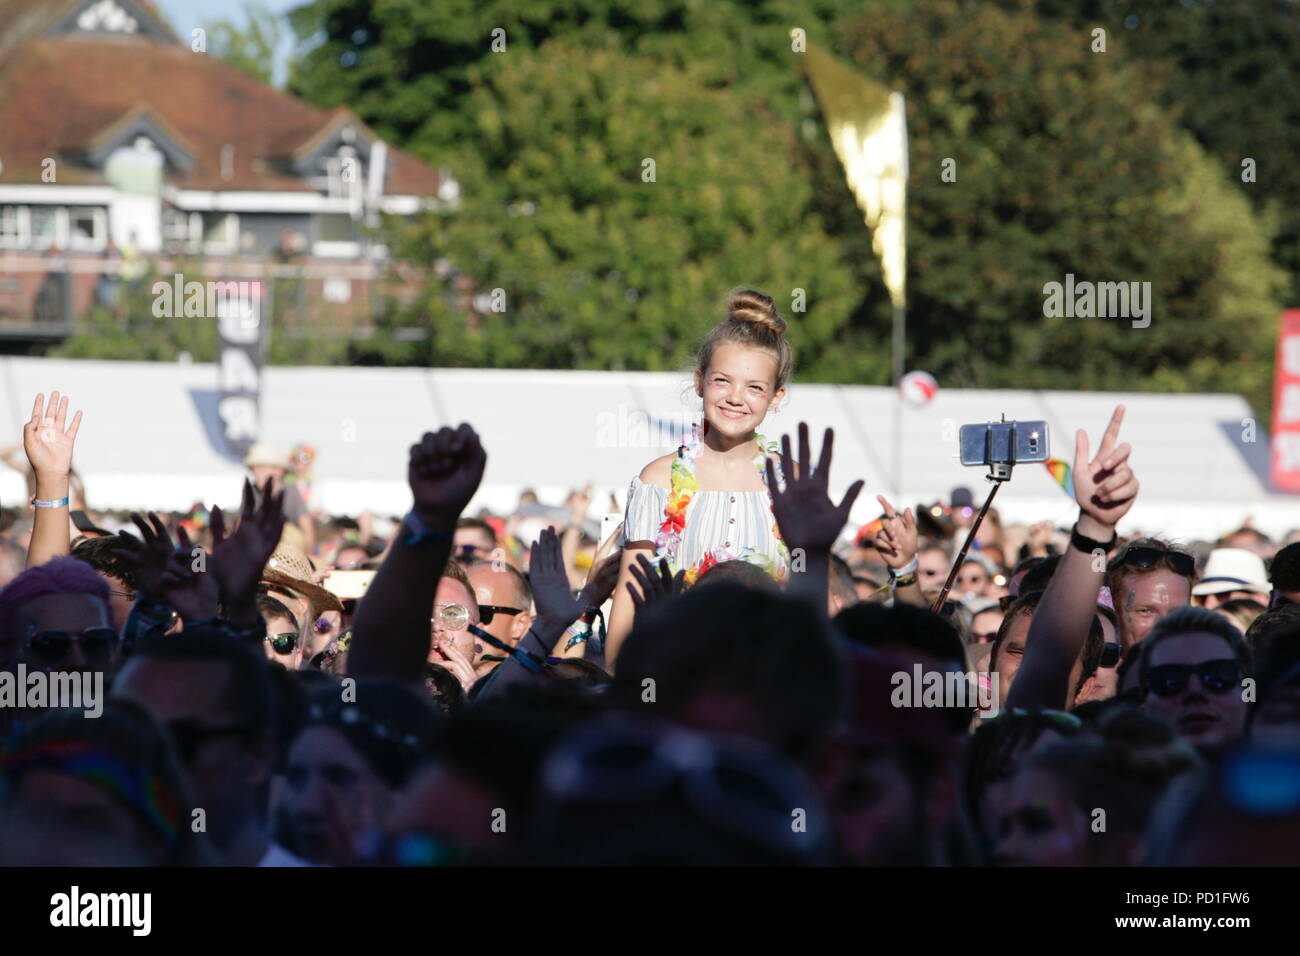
(900, 330)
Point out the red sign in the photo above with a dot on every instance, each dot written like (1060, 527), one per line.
(1286, 405)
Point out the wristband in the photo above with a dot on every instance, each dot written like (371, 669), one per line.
(904, 580)
(1090, 545)
(417, 534)
(908, 569)
(50, 502)
(577, 639)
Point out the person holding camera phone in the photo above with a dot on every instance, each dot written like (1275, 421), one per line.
(709, 502)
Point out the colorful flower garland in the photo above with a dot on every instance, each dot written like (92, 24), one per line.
(683, 486)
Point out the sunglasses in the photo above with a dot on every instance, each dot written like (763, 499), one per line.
(453, 617)
(284, 643)
(1145, 557)
(488, 611)
(1170, 680)
(1059, 720)
(1110, 654)
(189, 735)
(52, 647)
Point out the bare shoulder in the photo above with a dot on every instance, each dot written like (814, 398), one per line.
(660, 471)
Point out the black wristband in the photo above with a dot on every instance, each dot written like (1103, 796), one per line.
(1090, 545)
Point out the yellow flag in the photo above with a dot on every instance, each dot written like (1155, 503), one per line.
(868, 128)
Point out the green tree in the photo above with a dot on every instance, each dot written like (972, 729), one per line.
(250, 48)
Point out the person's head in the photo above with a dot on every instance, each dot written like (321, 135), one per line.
(1147, 580)
(217, 699)
(353, 754)
(743, 366)
(1241, 811)
(473, 538)
(57, 617)
(454, 608)
(973, 578)
(733, 659)
(1284, 575)
(932, 564)
(1242, 612)
(1250, 539)
(1231, 573)
(738, 572)
(350, 557)
(890, 783)
(103, 554)
(913, 637)
(1051, 807)
(504, 599)
(102, 792)
(283, 640)
(264, 462)
(842, 591)
(985, 623)
(1192, 669)
(1009, 644)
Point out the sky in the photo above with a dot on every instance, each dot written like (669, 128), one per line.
(185, 15)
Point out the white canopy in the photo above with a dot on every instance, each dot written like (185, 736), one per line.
(150, 438)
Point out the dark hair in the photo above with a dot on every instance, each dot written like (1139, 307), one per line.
(248, 695)
(131, 756)
(739, 572)
(886, 629)
(103, 555)
(270, 607)
(1284, 569)
(1125, 768)
(1116, 571)
(1040, 574)
(841, 585)
(391, 724)
(1195, 620)
(444, 688)
(751, 320)
(1274, 640)
(1026, 604)
(771, 649)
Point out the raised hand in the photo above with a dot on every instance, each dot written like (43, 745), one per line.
(601, 579)
(456, 661)
(238, 560)
(149, 554)
(190, 590)
(45, 439)
(444, 472)
(896, 540)
(656, 583)
(557, 608)
(1104, 485)
(807, 517)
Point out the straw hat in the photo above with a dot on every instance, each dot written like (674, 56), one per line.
(291, 568)
(264, 453)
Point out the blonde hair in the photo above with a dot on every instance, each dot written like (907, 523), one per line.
(752, 320)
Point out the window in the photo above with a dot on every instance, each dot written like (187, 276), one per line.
(220, 232)
(181, 230)
(341, 174)
(13, 231)
(87, 230)
(45, 226)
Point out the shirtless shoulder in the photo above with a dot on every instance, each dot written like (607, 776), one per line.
(659, 471)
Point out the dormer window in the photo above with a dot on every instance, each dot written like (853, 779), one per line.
(108, 17)
(342, 173)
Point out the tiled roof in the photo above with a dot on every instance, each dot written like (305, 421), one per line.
(58, 95)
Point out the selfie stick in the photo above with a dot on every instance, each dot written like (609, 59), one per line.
(999, 471)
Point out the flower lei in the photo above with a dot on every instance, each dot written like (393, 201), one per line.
(683, 487)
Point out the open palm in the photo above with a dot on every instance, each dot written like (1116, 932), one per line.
(47, 438)
(807, 517)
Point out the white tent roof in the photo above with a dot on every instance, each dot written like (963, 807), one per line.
(151, 438)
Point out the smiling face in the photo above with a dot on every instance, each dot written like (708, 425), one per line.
(738, 388)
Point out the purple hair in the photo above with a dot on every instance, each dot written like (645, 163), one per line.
(59, 576)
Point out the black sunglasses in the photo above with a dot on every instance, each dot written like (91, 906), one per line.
(1170, 680)
(51, 647)
(486, 612)
(1110, 654)
(189, 735)
(284, 643)
(1145, 557)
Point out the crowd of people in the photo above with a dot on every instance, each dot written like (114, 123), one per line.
(734, 675)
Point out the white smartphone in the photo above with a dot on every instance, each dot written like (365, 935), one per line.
(607, 525)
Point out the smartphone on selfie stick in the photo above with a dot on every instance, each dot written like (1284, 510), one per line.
(1000, 446)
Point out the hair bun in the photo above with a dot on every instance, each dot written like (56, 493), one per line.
(748, 305)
